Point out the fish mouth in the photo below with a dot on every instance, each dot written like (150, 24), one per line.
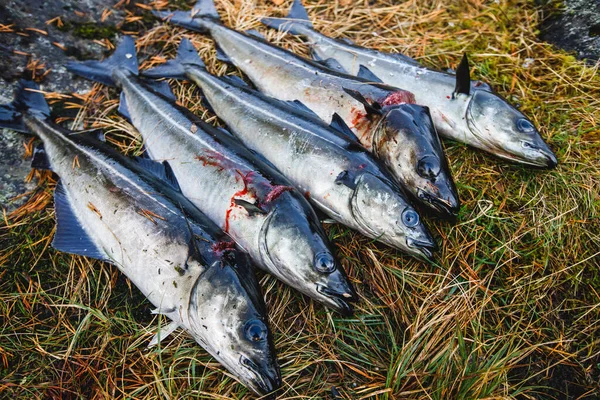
(266, 380)
(424, 247)
(550, 158)
(448, 208)
(545, 158)
(341, 299)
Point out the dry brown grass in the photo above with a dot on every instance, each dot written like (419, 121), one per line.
(511, 310)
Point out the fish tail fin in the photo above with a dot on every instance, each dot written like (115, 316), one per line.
(296, 19)
(198, 19)
(124, 57)
(175, 68)
(29, 99)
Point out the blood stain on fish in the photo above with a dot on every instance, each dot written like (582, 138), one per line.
(399, 97)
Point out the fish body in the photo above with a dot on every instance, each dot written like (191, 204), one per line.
(463, 110)
(334, 171)
(387, 122)
(115, 209)
(247, 198)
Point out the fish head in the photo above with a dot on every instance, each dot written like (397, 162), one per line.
(297, 251)
(505, 131)
(411, 148)
(228, 318)
(379, 208)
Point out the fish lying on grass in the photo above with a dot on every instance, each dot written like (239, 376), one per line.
(249, 199)
(131, 213)
(385, 119)
(326, 163)
(465, 111)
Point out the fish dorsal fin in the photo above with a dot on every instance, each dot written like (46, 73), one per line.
(298, 11)
(340, 125)
(162, 171)
(333, 64)
(366, 73)
(255, 33)
(297, 16)
(40, 158)
(463, 78)
(370, 108)
(163, 88)
(303, 107)
(221, 55)
(234, 80)
(70, 237)
(206, 9)
(123, 109)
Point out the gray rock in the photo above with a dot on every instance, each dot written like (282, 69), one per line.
(576, 28)
(82, 19)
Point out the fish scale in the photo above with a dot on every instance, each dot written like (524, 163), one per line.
(237, 189)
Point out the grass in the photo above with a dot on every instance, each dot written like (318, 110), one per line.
(510, 310)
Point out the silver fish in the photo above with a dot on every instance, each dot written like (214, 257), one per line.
(115, 209)
(247, 198)
(336, 173)
(463, 110)
(384, 119)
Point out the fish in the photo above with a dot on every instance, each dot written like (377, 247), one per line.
(250, 200)
(385, 119)
(326, 162)
(464, 110)
(132, 214)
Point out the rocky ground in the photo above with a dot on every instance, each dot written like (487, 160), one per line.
(574, 25)
(30, 35)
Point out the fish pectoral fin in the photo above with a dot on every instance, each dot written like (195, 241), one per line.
(346, 178)
(163, 333)
(162, 171)
(366, 73)
(328, 221)
(70, 235)
(252, 209)
(340, 125)
(40, 158)
(370, 108)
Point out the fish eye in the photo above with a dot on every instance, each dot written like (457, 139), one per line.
(410, 217)
(324, 262)
(524, 125)
(428, 167)
(528, 145)
(255, 330)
